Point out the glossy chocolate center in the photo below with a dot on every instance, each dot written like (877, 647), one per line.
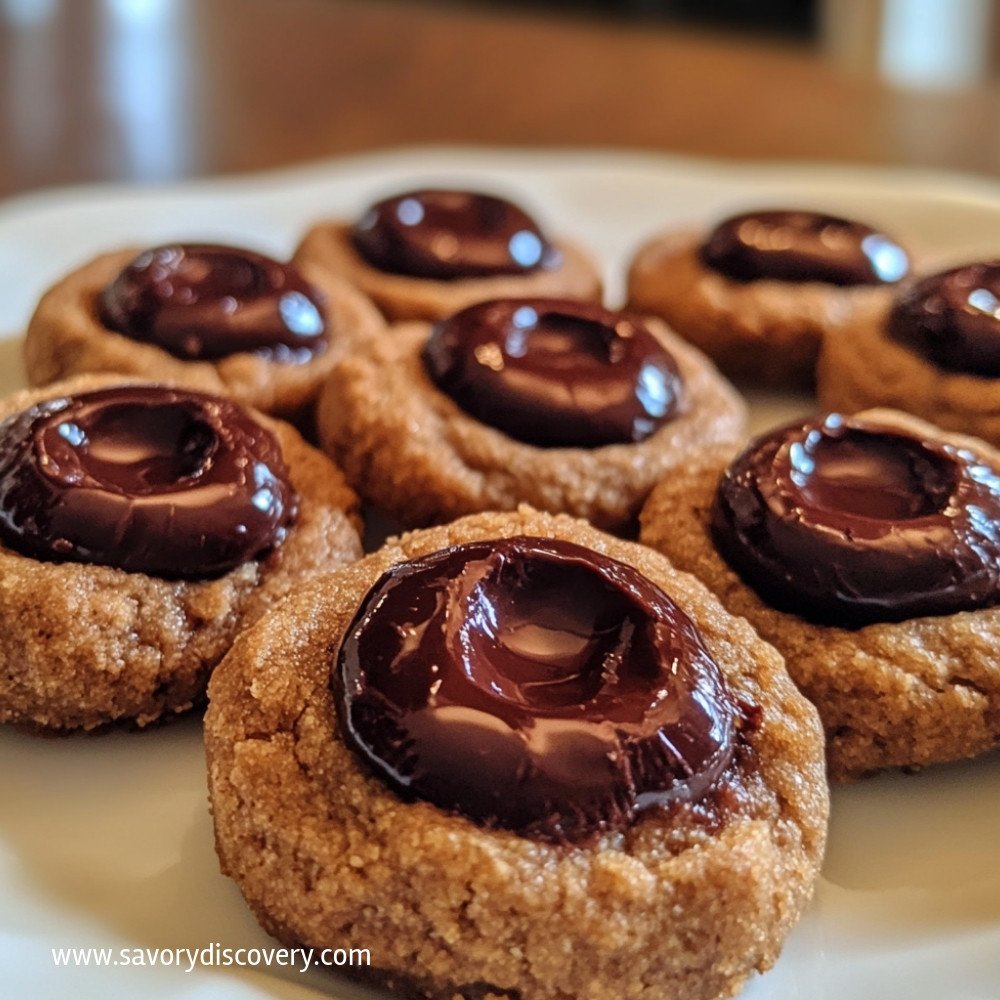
(533, 685)
(445, 235)
(848, 523)
(803, 246)
(150, 480)
(203, 302)
(953, 319)
(555, 373)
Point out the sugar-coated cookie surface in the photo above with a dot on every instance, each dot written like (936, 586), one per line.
(326, 855)
(863, 367)
(907, 693)
(82, 645)
(66, 337)
(411, 450)
(763, 332)
(328, 248)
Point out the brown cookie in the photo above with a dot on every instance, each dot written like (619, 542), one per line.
(760, 329)
(675, 905)
(66, 336)
(909, 692)
(328, 248)
(85, 644)
(408, 447)
(919, 370)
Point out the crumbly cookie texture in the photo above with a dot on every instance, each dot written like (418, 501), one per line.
(917, 692)
(85, 645)
(410, 449)
(66, 337)
(328, 248)
(861, 367)
(327, 855)
(760, 332)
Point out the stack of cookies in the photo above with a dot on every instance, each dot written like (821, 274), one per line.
(567, 733)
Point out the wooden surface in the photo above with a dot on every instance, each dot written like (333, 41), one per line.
(164, 89)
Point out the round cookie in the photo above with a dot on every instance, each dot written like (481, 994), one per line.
(68, 335)
(417, 281)
(759, 306)
(672, 905)
(410, 448)
(83, 643)
(895, 643)
(930, 353)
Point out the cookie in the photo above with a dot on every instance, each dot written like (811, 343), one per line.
(759, 292)
(141, 527)
(429, 253)
(417, 755)
(866, 550)
(218, 319)
(564, 405)
(931, 352)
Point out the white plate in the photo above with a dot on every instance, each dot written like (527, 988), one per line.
(107, 842)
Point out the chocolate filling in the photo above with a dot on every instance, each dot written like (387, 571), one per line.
(846, 523)
(953, 319)
(204, 302)
(555, 373)
(533, 685)
(147, 479)
(448, 235)
(803, 246)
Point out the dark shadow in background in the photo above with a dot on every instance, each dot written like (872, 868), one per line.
(790, 18)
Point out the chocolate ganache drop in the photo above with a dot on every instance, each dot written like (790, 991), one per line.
(447, 235)
(147, 479)
(803, 246)
(846, 522)
(555, 373)
(953, 319)
(204, 302)
(534, 685)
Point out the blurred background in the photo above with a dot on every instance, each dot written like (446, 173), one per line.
(159, 90)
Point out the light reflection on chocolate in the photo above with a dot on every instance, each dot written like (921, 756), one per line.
(534, 685)
(147, 479)
(205, 302)
(803, 246)
(556, 373)
(846, 522)
(953, 319)
(445, 235)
